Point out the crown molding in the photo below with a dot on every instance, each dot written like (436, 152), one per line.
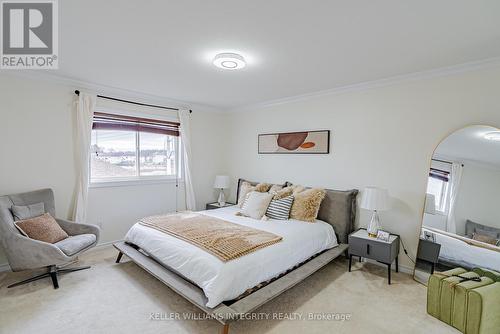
(390, 81)
(138, 96)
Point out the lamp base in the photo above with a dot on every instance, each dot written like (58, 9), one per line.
(222, 198)
(374, 225)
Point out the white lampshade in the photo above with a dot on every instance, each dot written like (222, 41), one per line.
(221, 182)
(374, 198)
(430, 204)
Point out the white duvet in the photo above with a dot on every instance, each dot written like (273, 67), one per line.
(461, 253)
(225, 281)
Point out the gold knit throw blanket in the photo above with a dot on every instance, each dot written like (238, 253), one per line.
(220, 238)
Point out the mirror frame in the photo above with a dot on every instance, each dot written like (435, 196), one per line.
(428, 168)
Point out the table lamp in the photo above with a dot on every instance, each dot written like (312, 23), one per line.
(221, 182)
(375, 199)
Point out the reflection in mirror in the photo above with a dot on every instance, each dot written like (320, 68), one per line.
(461, 220)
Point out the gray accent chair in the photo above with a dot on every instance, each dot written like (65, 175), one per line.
(24, 253)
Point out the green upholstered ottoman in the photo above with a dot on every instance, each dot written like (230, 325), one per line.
(434, 290)
(483, 311)
(461, 301)
(448, 293)
(494, 275)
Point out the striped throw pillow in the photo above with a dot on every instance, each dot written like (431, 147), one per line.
(280, 208)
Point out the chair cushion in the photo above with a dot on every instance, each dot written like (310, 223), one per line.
(21, 212)
(43, 228)
(74, 244)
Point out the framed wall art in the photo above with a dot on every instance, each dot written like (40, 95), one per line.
(304, 142)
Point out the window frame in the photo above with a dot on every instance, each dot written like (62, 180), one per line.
(444, 197)
(138, 179)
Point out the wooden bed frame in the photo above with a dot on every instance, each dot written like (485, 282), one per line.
(343, 202)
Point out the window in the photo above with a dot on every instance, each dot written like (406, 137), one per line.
(437, 185)
(129, 148)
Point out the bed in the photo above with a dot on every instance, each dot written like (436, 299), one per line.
(227, 290)
(464, 252)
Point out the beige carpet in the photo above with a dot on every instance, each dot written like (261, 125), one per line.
(119, 298)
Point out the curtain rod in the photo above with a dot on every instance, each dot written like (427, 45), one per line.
(444, 161)
(77, 92)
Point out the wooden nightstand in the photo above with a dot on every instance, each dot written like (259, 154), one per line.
(360, 244)
(215, 205)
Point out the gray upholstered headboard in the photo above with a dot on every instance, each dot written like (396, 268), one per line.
(472, 227)
(337, 209)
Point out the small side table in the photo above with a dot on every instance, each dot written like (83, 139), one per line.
(362, 245)
(215, 205)
(428, 251)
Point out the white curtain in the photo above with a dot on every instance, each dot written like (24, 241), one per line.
(84, 116)
(456, 178)
(185, 119)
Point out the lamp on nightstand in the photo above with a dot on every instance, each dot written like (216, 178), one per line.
(221, 182)
(375, 199)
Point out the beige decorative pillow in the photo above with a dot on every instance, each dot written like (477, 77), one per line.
(484, 238)
(245, 188)
(256, 204)
(263, 187)
(275, 188)
(306, 204)
(297, 189)
(285, 192)
(43, 228)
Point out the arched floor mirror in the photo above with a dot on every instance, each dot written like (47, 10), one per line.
(461, 220)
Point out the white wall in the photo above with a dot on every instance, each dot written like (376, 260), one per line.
(116, 209)
(478, 198)
(36, 151)
(382, 136)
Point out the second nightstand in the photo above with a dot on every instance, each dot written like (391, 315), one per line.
(362, 245)
(215, 205)
(428, 251)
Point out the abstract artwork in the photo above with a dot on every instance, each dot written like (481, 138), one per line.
(305, 142)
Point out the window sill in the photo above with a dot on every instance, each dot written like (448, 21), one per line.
(132, 182)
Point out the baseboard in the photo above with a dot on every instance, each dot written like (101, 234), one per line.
(4, 267)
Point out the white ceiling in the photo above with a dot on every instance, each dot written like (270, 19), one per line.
(165, 48)
(469, 144)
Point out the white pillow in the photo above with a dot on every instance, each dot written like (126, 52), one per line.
(256, 204)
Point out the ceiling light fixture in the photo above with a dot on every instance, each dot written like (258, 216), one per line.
(494, 136)
(229, 61)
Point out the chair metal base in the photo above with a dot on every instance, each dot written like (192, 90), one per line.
(53, 271)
